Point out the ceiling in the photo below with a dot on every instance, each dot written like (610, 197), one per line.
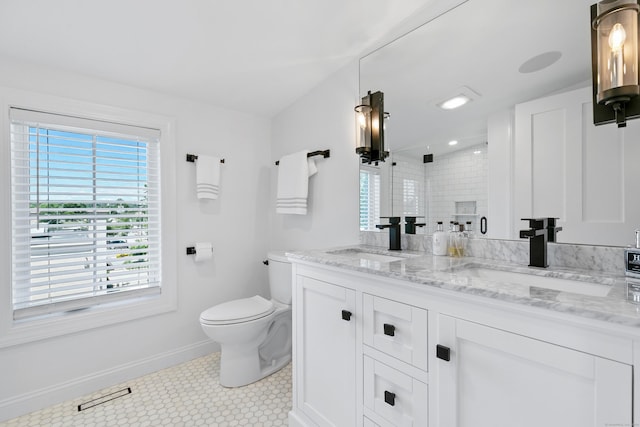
(256, 56)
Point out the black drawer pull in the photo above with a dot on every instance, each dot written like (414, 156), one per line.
(443, 352)
(346, 315)
(390, 398)
(389, 329)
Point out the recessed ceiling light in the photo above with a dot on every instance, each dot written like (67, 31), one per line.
(477, 152)
(455, 102)
(454, 142)
(461, 96)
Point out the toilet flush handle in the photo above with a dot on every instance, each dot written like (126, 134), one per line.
(265, 262)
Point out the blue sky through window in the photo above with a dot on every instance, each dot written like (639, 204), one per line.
(70, 165)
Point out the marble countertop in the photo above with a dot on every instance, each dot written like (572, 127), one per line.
(588, 294)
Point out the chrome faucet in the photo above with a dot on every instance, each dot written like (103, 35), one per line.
(538, 236)
(553, 230)
(394, 232)
(410, 224)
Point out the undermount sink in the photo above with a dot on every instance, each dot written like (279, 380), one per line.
(369, 256)
(534, 280)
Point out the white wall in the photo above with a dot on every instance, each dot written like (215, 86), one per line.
(322, 119)
(49, 371)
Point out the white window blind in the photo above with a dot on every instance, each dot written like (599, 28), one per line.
(410, 202)
(85, 212)
(369, 199)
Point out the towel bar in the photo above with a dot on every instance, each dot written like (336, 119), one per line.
(323, 153)
(193, 157)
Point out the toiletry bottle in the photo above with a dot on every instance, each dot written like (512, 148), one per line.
(457, 241)
(453, 233)
(440, 241)
(632, 259)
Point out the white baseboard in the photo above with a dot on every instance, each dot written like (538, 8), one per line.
(295, 420)
(29, 402)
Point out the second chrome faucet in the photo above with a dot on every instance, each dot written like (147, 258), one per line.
(540, 231)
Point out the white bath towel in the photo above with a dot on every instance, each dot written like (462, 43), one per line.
(207, 177)
(293, 183)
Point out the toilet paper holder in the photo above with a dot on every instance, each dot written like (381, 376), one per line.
(205, 249)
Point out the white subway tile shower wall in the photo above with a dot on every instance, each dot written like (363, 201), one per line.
(457, 177)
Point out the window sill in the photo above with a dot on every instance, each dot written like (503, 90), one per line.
(35, 329)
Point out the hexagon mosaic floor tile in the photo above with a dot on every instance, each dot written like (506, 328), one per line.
(184, 395)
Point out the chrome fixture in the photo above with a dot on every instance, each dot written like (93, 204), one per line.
(371, 126)
(552, 229)
(394, 232)
(538, 236)
(614, 59)
(410, 224)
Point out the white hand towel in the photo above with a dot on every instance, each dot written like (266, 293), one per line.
(293, 183)
(313, 169)
(208, 177)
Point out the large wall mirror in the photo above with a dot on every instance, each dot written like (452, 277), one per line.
(526, 145)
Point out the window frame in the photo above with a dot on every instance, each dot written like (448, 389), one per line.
(14, 332)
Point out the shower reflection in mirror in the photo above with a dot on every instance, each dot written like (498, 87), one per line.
(451, 188)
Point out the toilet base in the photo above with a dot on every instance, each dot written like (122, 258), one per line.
(240, 368)
(244, 362)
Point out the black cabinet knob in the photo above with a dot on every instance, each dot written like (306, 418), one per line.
(389, 329)
(443, 352)
(390, 398)
(346, 315)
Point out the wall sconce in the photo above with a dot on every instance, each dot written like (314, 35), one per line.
(371, 120)
(614, 59)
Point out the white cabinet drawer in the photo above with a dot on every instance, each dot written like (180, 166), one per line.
(393, 395)
(398, 329)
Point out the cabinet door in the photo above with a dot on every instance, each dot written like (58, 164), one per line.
(496, 378)
(326, 352)
(566, 167)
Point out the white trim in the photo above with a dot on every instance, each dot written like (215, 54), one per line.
(77, 387)
(12, 333)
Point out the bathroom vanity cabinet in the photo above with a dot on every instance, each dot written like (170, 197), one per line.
(325, 341)
(500, 378)
(414, 355)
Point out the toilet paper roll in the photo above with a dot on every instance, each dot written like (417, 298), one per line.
(204, 251)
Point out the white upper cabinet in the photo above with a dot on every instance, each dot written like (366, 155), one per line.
(566, 167)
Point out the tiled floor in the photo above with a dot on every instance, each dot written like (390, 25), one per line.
(183, 395)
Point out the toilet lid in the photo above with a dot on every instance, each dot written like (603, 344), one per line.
(239, 310)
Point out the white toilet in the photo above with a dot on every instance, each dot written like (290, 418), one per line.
(254, 333)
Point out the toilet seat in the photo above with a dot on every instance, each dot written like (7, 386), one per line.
(237, 311)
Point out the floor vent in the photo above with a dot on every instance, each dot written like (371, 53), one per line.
(104, 399)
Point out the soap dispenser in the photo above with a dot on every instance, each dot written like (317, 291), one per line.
(440, 241)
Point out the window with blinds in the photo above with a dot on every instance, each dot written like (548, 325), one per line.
(369, 199)
(85, 212)
(410, 199)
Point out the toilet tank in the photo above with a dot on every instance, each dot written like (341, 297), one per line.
(279, 277)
